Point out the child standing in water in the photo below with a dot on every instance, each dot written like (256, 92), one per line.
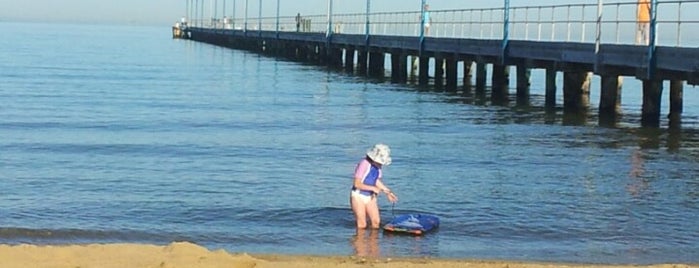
(368, 185)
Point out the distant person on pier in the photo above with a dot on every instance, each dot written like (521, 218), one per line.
(298, 22)
(643, 22)
(226, 22)
(368, 184)
(426, 19)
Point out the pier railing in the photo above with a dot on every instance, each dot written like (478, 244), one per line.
(676, 23)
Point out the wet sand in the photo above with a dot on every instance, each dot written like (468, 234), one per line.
(189, 255)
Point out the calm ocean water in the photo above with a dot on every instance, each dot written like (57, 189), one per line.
(121, 134)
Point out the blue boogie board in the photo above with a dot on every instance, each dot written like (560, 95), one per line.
(412, 223)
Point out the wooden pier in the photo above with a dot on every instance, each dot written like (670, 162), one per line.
(555, 38)
(577, 61)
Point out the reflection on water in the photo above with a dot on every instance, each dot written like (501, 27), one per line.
(370, 242)
(366, 243)
(415, 245)
(649, 138)
(673, 135)
(637, 184)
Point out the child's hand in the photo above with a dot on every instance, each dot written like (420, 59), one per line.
(392, 197)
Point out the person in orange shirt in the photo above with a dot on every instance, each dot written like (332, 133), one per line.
(642, 22)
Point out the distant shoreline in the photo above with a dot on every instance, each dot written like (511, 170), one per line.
(90, 22)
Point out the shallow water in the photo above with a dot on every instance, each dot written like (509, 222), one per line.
(120, 134)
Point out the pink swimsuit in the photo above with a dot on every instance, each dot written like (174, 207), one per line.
(369, 174)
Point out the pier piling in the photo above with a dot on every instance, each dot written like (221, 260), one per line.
(610, 99)
(550, 87)
(451, 75)
(481, 76)
(500, 82)
(650, 112)
(439, 71)
(523, 82)
(468, 74)
(399, 69)
(676, 107)
(349, 58)
(424, 70)
(610, 94)
(363, 62)
(576, 90)
(376, 64)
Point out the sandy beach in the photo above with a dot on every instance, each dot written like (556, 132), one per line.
(188, 255)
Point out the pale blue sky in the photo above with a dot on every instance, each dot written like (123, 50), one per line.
(165, 12)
